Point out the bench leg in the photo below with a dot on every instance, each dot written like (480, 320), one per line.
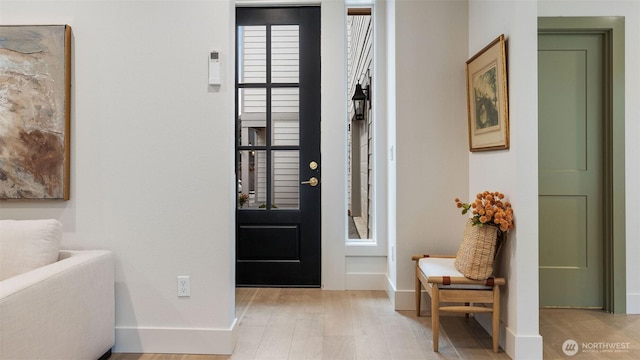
(495, 318)
(435, 316)
(418, 294)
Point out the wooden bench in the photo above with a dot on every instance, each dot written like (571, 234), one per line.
(444, 284)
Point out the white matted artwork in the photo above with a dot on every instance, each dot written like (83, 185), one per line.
(487, 102)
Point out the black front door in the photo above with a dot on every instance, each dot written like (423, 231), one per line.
(278, 146)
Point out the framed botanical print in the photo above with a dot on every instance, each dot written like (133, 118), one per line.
(487, 102)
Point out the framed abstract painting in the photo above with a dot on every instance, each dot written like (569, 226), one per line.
(35, 88)
(487, 102)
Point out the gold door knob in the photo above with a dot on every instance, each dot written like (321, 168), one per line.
(313, 182)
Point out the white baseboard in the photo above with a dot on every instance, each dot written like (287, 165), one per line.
(406, 300)
(517, 347)
(391, 292)
(365, 281)
(522, 346)
(176, 340)
(633, 303)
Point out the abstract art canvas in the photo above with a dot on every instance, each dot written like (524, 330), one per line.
(35, 89)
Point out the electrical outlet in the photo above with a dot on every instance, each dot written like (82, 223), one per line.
(184, 286)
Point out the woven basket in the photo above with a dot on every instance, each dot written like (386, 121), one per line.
(477, 252)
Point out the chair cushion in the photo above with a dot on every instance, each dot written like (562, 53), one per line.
(445, 267)
(28, 244)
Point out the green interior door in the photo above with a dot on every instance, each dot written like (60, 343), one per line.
(571, 123)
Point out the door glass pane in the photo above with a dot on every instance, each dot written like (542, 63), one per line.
(252, 54)
(252, 107)
(285, 45)
(285, 179)
(252, 179)
(285, 116)
(360, 135)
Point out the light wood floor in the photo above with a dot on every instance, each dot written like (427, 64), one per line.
(593, 328)
(318, 324)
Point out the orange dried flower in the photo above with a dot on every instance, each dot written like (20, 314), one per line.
(488, 208)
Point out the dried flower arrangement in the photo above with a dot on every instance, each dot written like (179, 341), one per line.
(489, 209)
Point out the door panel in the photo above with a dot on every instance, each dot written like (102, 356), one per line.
(283, 242)
(571, 170)
(278, 125)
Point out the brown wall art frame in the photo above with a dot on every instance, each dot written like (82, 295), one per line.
(35, 118)
(487, 102)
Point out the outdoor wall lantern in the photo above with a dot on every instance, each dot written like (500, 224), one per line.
(360, 97)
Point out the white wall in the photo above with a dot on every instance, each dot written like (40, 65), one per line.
(630, 9)
(511, 171)
(431, 133)
(334, 144)
(150, 141)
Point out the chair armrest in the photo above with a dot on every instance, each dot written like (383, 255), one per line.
(418, 257)
(64, 310)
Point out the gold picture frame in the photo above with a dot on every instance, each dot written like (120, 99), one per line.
(487, 100)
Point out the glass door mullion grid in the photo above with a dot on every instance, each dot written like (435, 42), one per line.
(268, 122)
(268, 148)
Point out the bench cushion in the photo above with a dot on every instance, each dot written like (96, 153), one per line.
(445, 267)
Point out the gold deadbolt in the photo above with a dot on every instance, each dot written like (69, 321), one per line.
(313, 165)
(313, 182)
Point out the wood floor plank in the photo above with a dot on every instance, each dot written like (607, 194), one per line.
(278, 335)
(470, 339)
(307, 341)
(339, 321)
(593, 330)
(370, 340)
(300, 324)
(338, 348)
(249, 339)
(399, 334)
